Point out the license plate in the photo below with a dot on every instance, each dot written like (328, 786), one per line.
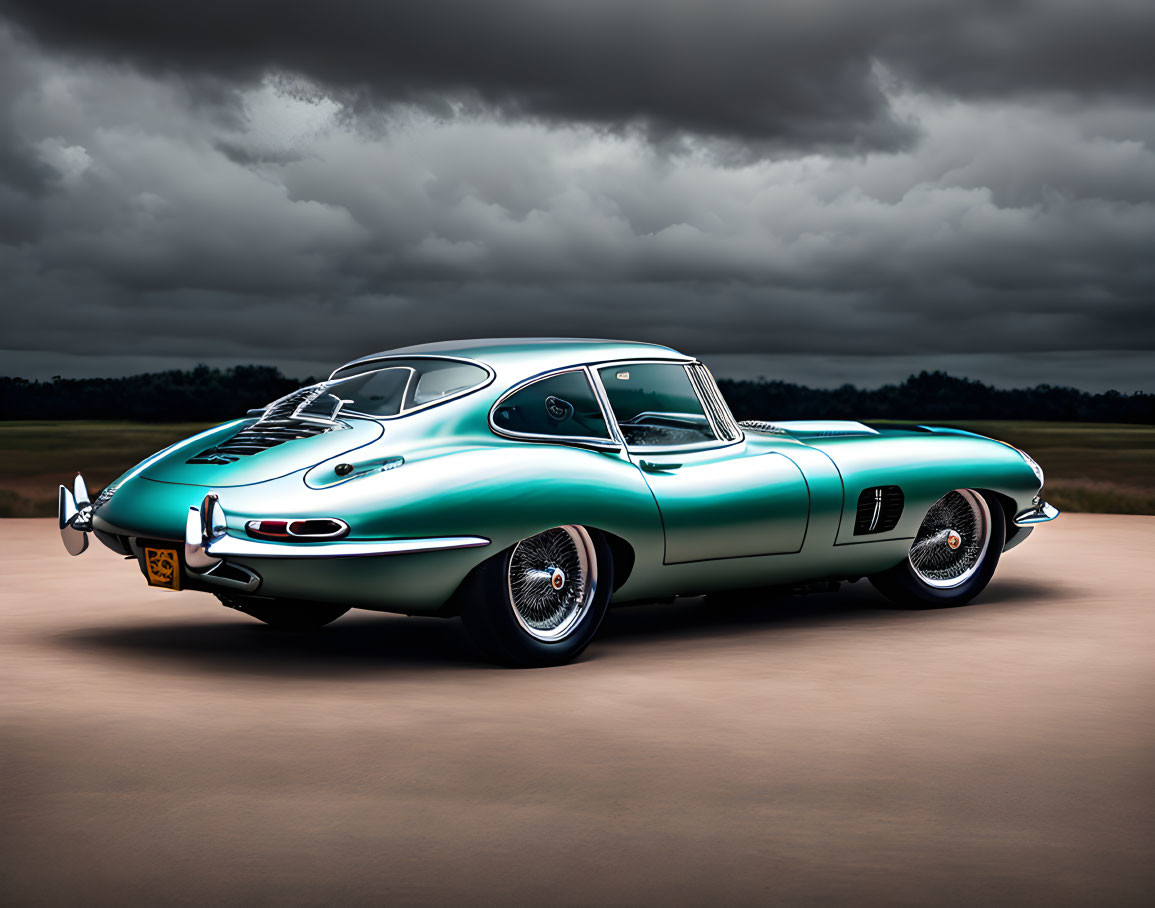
(162, 568)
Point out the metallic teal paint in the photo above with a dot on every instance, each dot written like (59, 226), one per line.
(769, 509)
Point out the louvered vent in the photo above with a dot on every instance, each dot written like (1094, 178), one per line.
(762, 427)
(878, 510)
(302, 414)
(716, 409)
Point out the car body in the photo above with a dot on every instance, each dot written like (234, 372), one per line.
(388, 485)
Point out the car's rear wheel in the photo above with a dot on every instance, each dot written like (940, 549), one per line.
(954, 555)
(286, 614)
(541, 601)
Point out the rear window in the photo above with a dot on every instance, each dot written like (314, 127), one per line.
(395, 386)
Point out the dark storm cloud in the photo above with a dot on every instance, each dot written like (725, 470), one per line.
(175, 187)
(798, 73)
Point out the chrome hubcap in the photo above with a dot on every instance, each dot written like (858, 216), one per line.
(952, 540)
(552, 577)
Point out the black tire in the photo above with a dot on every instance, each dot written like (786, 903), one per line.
(932, 587)
(500, 630)
(286, 614)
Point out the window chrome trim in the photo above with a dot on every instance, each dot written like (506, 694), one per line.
(662, 449)
(609, 443)
(489, 372)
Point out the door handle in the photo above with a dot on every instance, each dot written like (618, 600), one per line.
(651, 467)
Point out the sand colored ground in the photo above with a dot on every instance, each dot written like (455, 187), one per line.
(158, 749)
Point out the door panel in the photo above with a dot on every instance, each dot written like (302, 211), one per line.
(725, 503)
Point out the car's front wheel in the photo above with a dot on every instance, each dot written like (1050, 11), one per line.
(541, 601)
(954, 555)
(286, 614)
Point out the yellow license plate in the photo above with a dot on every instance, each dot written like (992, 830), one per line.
(162, 567)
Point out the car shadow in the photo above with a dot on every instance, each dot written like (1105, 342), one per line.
(854, 603)
(358, 643)
(364, 642)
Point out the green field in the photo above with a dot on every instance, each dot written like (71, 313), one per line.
(1102, 468)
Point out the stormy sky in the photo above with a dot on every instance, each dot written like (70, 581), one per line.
(822, 190)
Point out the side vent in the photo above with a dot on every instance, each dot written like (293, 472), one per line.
(878, 510)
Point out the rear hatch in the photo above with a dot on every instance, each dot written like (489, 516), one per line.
(238, 455)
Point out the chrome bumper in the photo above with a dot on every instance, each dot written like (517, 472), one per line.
(1040, 513)
(74, 516)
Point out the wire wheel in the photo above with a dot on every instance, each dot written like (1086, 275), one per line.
(952, 540)
(552, 578)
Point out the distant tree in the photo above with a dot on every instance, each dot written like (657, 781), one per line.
(207, 395)
(198, 395)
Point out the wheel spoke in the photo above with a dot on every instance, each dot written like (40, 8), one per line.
(551, 582)
(952, 540)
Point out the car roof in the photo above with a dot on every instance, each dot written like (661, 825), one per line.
(533, 354)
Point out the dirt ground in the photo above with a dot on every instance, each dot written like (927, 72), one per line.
(158, 749)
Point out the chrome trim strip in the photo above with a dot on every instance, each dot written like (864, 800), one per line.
(224, 546)
(599, 384)
(489, 371)
(1041, 513)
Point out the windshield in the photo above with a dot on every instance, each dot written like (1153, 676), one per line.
(395, 386)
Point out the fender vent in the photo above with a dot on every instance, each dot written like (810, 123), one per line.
(878, 510)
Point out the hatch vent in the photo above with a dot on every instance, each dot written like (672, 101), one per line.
(878, 510)
(302, 414)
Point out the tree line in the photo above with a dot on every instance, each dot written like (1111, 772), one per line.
(214, 395)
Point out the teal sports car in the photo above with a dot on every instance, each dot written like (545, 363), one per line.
(526, 484)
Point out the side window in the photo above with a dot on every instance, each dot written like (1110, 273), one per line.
(655, 404)
(562, 405)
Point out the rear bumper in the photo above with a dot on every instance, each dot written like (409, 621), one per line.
(1040, 513)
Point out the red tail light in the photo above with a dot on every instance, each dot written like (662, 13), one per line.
(306, 529)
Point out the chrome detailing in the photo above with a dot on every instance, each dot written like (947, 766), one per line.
(557, 578)
(80, 492)
(603, 396)
(1040, 513)
(432, 403)
(961, 517)
(105, 496)
(551, 580)
(233, 576)
(304, 413)
(253, 527)
(655, 466)
(825, 428)
(713, 404)
(608, 443)
(878, 510)
(207, 542)
(203, 526)
(72, 522)
(762, 427)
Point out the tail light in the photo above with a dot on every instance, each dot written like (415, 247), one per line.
(305, 529)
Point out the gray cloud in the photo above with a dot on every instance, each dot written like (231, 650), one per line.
(796, 73)
(195, 206)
